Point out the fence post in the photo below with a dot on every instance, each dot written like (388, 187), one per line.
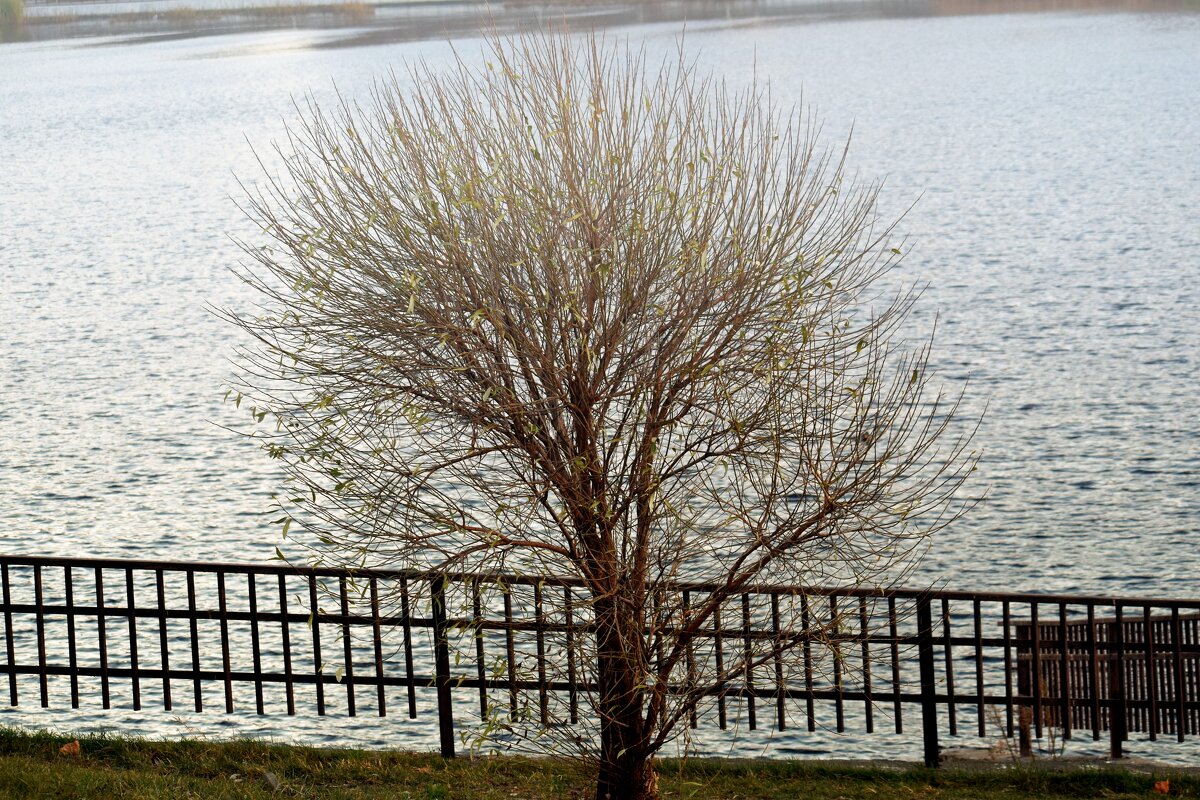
(929, 722)
(441, 659)
(1025, 689)
(1117, 722)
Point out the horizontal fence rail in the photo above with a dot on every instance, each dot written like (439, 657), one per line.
(274, 636)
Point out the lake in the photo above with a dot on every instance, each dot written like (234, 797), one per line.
(1053, 158)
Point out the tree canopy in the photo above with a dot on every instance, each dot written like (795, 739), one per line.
(573, 312)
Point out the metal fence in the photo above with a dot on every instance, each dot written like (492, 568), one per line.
(275, 636)
(1133, 671)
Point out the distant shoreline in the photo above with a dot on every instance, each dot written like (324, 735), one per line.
(368, 22)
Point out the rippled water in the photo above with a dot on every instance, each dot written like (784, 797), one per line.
(1055, 159)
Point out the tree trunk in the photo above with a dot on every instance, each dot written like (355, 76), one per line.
(626, 769)
(632, 778)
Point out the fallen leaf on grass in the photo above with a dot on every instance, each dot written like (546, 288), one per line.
(71, 749)
(1162, 787)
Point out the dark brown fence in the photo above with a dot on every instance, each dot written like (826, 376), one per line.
(274, 636)
(1134, 671)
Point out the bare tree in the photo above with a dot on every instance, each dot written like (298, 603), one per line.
(568, 314)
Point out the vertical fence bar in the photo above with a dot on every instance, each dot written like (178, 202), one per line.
(406, 616)
(314, 624)
(979, 712)
(510, 653)
(929, 724)
(1193, 673)
(722, 718)
(135, 678)
(809, 699)
(839, 703)
(347, 646)
(1117, 718)
(868, 701)
(748, 649)
(441, 656)
(193, 629)
(1064, 674)
(1006, 613)
(894, 636)
(164, 649)
(477, 630)
(377, 640)
(9, 647)
(102, 639)
(1151, 683)
(780, 699)
(285, 631)
(1093, 670)
(43, 683)
(951, 699)
(72, 652)
(1192, 628)
(1183, 680)
(540, 638)
(223, 613)
(572, 691)
(255, 644)
(1035, 629)
(1177, 663)
(689, 657)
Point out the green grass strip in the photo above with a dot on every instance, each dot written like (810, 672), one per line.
(32, 766)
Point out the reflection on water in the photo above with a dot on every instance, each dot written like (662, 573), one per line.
(1057, 161)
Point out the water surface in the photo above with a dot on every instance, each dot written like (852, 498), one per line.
(1055, 163)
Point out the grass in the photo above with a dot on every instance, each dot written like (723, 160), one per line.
(32, 766)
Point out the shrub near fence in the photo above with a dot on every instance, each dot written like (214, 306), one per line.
(518, 648)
